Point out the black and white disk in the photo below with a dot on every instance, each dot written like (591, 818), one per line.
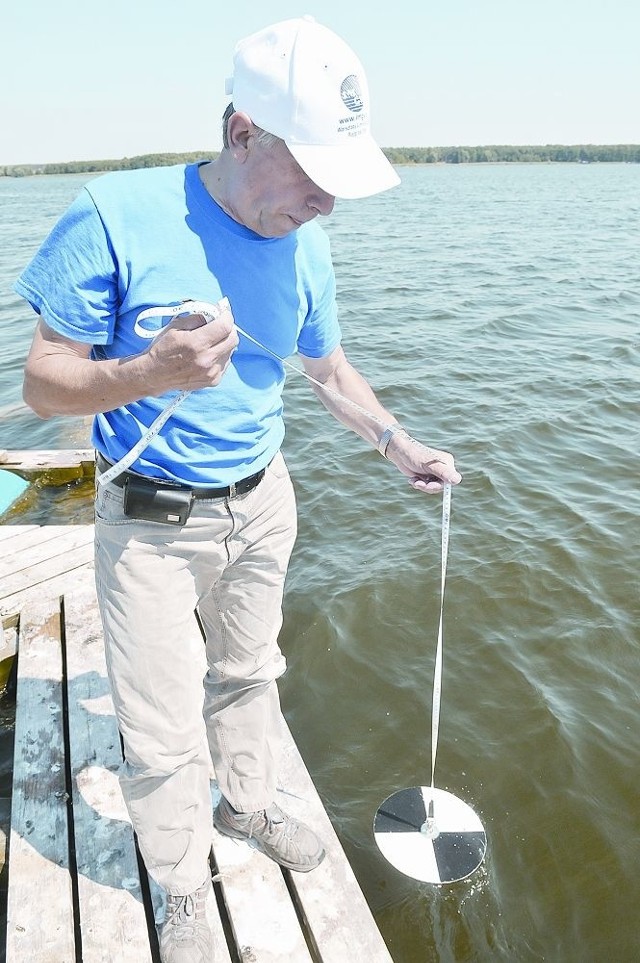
(430, 835)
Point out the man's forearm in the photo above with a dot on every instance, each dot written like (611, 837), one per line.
(62, 379)
(428, 469)
(370, 418)
(69, 385)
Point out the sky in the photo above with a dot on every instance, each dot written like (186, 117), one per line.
(82, 80)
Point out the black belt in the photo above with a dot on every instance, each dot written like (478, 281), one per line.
(238, 488)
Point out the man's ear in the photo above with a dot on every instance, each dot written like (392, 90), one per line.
(240, 131)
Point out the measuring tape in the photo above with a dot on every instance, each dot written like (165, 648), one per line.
(209, 312)
(437, 672)
(427, 833)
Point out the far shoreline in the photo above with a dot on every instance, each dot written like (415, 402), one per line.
(399, 156)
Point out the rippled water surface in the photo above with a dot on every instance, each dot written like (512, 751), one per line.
(496, 310)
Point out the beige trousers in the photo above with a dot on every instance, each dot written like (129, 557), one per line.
(226, 566)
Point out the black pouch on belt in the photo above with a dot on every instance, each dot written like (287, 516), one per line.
(156, 502)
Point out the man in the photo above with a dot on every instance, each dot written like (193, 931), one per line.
(241, 227)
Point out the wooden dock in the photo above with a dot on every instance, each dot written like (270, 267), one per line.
(78, 892)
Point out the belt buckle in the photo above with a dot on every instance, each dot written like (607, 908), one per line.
(232, 490)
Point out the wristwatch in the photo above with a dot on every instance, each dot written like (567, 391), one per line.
(387, 435)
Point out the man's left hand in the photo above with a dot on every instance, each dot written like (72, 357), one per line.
(428, 469)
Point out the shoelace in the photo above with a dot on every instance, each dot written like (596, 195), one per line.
(273, 818)
(185, 912)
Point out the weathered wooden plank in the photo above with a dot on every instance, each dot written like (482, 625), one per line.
(8, 637)
(111, 909)
(32, 460)
(40, 909)
(38, 546)
(5, 829)
(26, 535)
(337, 916)
(8, 647)
(60, 564)
(264, 921)
(13, 531)
(54, 587)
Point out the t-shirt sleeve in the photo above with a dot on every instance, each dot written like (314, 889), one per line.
(320, 333)
(72, 282)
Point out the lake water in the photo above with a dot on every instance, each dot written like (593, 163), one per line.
(496, 310)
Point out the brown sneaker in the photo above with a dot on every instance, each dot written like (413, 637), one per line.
(282, 838)
(185, 936)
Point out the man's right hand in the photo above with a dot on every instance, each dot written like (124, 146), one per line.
(62, 379)
(190, 354)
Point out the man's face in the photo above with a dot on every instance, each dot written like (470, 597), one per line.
(277, 195)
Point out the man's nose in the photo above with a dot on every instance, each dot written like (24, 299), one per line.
(321, 201)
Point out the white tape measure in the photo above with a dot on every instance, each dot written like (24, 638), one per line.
(427, 833)
(209, 312)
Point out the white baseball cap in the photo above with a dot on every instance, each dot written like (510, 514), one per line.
(301, 82)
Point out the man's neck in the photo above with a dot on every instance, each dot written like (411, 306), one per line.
(212, 177)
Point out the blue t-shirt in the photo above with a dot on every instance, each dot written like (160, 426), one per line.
(133, 240)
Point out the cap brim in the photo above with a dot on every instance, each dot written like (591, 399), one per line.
(359, 169)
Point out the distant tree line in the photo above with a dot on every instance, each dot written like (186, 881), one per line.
(550, 153)
(558, 153)
(97, 166)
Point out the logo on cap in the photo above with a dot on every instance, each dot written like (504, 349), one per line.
(350, 93)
